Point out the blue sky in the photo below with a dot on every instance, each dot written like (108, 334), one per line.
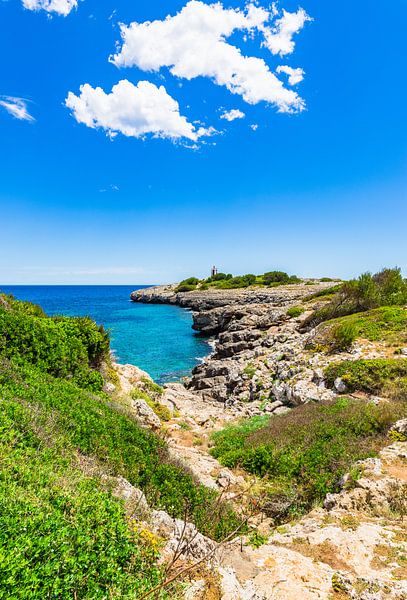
(317, 192)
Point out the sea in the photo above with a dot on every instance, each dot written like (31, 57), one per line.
(156, 337)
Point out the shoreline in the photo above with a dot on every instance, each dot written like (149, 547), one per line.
(247, 327)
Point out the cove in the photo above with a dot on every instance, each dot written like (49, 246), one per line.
(156, 338)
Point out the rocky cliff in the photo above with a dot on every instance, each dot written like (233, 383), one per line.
(259, 360)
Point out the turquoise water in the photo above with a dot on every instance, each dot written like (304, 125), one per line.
(155, 337)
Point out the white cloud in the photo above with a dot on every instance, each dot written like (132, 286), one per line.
(16, 107)
(61, 7)
(111, 188)
(294, 75)
(279, 38)
(254, 126)
(193, 43)
(134, 111)
(232, 115)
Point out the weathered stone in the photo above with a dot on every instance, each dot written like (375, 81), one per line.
(400, 427)
(340, 385)
(182, 537)
(145, 413)
(282, 410)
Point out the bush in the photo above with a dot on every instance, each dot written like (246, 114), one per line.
(304, 454)
(342, 337)
(190, 281)
(275, 277)
(387, 324)
(295, 311)
(323, 293)
(250, 279)
(187, 285)
(62, 534)
(371, 375)
(386, 288)
(153, 387)
(98, 427)
(185, 288)
(65, 347)
(396, 389)
(162, 411)
(220, 277)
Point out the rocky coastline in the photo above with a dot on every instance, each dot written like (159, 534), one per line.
(265, 363)
(260, 362)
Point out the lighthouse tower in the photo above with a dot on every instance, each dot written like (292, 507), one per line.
(214, 271)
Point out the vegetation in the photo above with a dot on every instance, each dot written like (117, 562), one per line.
(295, 311)
(73, 348)
(228, 281)
(342, 336)
(162, 411)
(63, 534)
(386, 288)
(302, 455)
(387, 324)
(371, 376)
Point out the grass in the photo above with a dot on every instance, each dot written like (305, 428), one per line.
(295, 311)
(371, 376)
(386, 288)
(302, 455)
(387, 324)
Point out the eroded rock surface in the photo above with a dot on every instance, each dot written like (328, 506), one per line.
(259, 353)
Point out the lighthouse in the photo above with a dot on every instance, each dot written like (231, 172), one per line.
(214, 271)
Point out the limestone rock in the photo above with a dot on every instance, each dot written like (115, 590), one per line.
(340, 385)
(400, 427)
(181, 537)
(145, 413)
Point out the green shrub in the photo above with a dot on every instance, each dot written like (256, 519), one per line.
(219, 277)
(250, 278)
(62, 534)
(256, 539)
(153, 387)
(304, 453)
(327, 292)
(386, 288)
(190, 281)
(386, 324)
(62, 346)
(342, 337)
(185, 288)
(396, 389)
(275, 277)
(370, 375)
(187, 285)
(98, 427)
(226, 281)
(295, 311)
(250, 370)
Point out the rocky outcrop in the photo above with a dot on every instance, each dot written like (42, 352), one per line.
(354, 548)
(259, 353)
